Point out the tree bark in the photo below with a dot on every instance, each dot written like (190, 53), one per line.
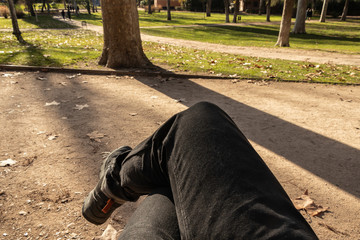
(284, 33)
(268, 10)
(16, 29)
(29, 4)
(345, 11)
(260, 6)
(149, 9)
(324, 11)
(227, 4)
(122, 42)
(299, 27)
(236, 10)
(208, 8)
(168, 10)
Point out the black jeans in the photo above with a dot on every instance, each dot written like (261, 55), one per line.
(220, 187)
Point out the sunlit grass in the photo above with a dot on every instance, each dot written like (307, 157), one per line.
(51, 48)
(186, 59)
(339, 37)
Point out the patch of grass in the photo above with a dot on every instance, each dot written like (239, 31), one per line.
(185, 59)
(44, 21)
(93, 18)
(81, 48)
(337, 37)
(51, 48)
(178, 18)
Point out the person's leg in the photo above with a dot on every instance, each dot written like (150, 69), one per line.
(154, 219)
(222, 189)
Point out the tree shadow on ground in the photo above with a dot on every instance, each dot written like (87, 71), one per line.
(47, 22)
(299, 145)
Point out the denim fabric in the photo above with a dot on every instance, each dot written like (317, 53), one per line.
(221, 187)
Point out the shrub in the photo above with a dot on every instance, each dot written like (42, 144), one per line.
(19, 12)
(4, 11)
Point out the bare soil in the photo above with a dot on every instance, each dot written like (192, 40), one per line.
(308, 134)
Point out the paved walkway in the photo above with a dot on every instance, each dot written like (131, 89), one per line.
(274, 53)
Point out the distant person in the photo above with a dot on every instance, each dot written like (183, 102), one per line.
(69, 13)
(63, 14)
(309, 13)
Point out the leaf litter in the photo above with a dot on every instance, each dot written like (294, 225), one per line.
(96, 136)
(304, 202)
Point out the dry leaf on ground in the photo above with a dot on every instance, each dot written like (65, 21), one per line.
(96, 136)
(304, 202)
(53, 103)
(81, 107)
(7, 162)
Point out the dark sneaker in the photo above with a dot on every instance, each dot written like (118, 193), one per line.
(108, 193)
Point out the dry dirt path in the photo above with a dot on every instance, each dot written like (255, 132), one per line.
(274, 53)
(308, 134)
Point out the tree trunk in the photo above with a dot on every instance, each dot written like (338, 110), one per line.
(236, 10)
(345, 11)
(208, 8)
(149, 9)
(168, 10)
(227, 4)
(64, 4)
(16, 29)
(43, 6)
(300, 17)
(260, 6)
(29, 4)
(284, 33)
(324, 11)
(268, 10)
(122, 43)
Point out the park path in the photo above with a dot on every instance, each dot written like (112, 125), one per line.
(315, 56)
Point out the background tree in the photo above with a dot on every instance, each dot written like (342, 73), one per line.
(284, 33)
(236, 10)
(168, 10)
(227, 5)
(149, 6)
(208, 8)
(29, 5)
(324, 11)
(122, 43)
(299, 26)
(268, 10)
(261, 3)
(345, 11)
(16, 29)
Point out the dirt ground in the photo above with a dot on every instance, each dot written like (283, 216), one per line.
(308, 134)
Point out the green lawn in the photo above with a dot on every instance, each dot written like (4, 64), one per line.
(178, 18)
(44, 21)
(81, 48)
(51, 48)
(334, 36)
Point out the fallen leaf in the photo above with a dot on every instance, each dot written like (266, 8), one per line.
(81, 107)
(70, 77)
(7, 75)
(7, 162)
(180, 100)
(96, 136)
(304, 202)
(53, 137)
(41, 78)
(53, 103)
(132, 114)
